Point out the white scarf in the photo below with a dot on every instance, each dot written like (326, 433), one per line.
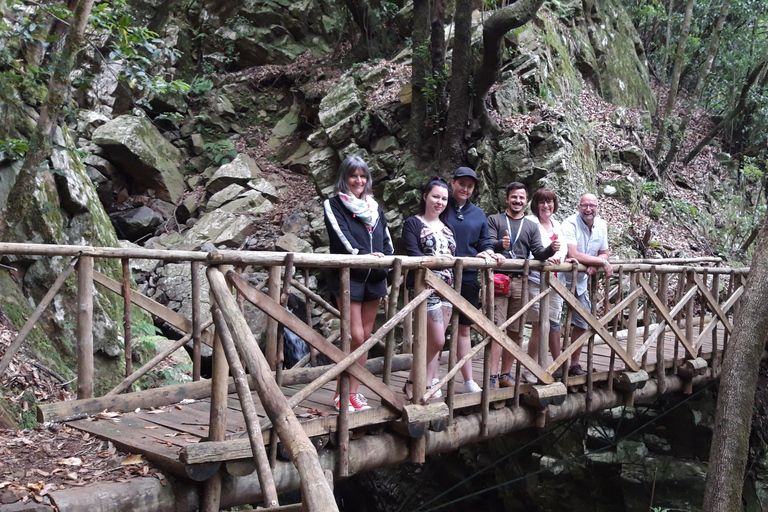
(367, 208)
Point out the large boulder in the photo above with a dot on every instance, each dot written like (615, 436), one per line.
(220, 228)
(241, 170)
(139, 150)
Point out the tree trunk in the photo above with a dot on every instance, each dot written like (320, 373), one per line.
(494, 30)
(419, 70)
(701, 80)
(735, 402)
(40, 142)
(677, 70)
(437, 102)
(458, 112)
(753, 76)
(368, 24)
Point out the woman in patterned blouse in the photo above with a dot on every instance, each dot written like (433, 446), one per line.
(429, 234)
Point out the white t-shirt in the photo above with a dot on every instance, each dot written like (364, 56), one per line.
(545, 241)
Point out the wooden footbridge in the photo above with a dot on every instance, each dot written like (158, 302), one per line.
(657, 326)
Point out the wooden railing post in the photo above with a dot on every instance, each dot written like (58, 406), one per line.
(544, 305)
(394, 293)
(196, 320)
(458, 275)
(85, 328)
(345, 342)
(488, 306)
(715, 290)
(419, 363)
(661, 371)
(127, 335)
(272, 326)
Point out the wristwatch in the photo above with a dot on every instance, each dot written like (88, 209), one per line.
(605, 261)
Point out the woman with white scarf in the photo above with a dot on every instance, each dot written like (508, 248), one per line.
(356, 225)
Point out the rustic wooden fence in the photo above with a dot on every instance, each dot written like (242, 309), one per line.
(632, 313)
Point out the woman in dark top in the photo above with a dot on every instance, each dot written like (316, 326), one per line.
(429, 234)
(356, 225)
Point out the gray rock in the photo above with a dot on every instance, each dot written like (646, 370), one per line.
(292, 243)
(265, 188)
(240, 170)
(138, 150)
(219, 228)
(174, 284)
(197, 143)
(509, 98)
(249, 201)
(224, 196)
(136, 223)
(295, 223)
(324, 166)
(385, 144)
(341, 102)
(632, 156)
(284, 127)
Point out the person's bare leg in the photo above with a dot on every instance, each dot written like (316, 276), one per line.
(463, 346)
(576, 333)
(554, 344)
(533, 343)
(362, 315)
(507, 359)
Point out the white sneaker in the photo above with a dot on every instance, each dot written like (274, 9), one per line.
(528, 376)
(439, 392)
(471, 386)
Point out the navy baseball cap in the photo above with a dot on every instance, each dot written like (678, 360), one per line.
(465, 171)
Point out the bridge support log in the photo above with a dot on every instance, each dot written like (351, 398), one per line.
(316, 492)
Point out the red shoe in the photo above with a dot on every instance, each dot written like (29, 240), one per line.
(357, 402)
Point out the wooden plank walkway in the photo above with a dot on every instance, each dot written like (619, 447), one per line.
(162, 433)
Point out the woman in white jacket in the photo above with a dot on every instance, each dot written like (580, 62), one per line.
(544, 205)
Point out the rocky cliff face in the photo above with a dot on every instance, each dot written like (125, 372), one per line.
(244, 158)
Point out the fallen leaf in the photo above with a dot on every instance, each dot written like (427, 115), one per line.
(70, 461)
(151, 427)
(133, 458)
(188, 401)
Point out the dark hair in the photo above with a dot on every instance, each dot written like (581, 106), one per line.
(349, 166)
(541, 195)
(434, 181)
(515, 185)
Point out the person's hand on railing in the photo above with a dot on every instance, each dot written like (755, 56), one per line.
(377, 254)
(489, 255)
(554, 261)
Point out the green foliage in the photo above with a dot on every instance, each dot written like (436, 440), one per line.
(222, 151)
(137, 47)
(201, 86)
(13, 149)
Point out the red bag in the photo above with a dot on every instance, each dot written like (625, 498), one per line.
(500, 284)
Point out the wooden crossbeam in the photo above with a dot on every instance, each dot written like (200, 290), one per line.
(712, 302)
(487, 325)
(151, 306)
(666, 315)
(663, 323)
(594, 323)
(305, 332)
(711, 325)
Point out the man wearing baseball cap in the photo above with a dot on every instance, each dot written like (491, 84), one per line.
(472, 240)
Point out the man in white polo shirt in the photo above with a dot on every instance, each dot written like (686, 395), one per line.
(586, 236)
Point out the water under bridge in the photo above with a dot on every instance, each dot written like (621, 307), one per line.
(256, 430)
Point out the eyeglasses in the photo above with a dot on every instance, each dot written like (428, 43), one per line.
(588, 206)
(548, 201)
